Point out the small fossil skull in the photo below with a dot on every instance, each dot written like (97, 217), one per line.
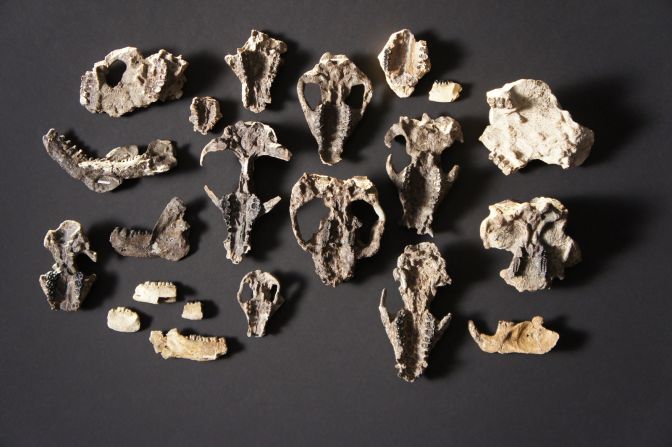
(266, 299)
(404, 61)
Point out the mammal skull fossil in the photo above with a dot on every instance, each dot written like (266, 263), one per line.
(266, 299)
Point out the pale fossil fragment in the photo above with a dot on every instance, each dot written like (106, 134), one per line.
(527, 123)
(193, 310)
(121, 163)
(414, 331)
(123, 319)
(266, 299)
(404, 61)
(526, 337)
(189, 347)
(422, 184)
(333, 119)
(256, 65)
(64, 285)
(159, 77)
(445, 91)
(248, 140)
(534, 232)
(336, 245)
(205, 113)
(155, 292)
(168, 240)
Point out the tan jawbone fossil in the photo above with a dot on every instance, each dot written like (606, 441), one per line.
(534, 232)
(404, 61)
(256, 65)
(335, 246)
(123, 319)
(332, 121)
(266, 299)
(422, 184)
(526, 337)
(205, 113)
(189, 347)
(155, 292)
(414, 331)
(65, 286)
(248, 140)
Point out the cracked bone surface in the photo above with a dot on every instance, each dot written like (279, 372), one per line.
(414, 331)
(256, 64)
(334, 118)
(266, 299)
(205, 113)
(168, 240)
(336, 245)
(534, 232)
(404, 61)
(444, 91)
(422, 184)
(123, 319)
(248, 140)
(189, 347)
(159, 77)
(192, 310)
(64, 285)
(155, 292)
(526, 337)
(121, 163)
(527, 123)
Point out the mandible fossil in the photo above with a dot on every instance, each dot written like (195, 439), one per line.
(404, 61)
(266, 299)
(526, 337)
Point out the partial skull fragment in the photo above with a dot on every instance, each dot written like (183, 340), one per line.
(64, 285)
(193, 310)
(404, 61)
(191, 347)
(159, 77)
(123, 319)
(205, 113)
(445, 91)
(256, 65)
(423, 184)
(527, 123)
(155, 292)
(168, 240)
(340, 108)
(266, 299)
(336, 245)
(414, 331)
(527, 337)
(248, 140)
(534, 232)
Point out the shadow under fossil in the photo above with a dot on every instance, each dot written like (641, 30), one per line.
(293, 66)
(106, 282)
(292, 286)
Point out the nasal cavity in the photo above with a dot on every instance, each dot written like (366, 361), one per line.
(355, 98)
(114, 73)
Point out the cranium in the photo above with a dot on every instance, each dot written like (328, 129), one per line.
(204, 114)
(405, 61)
(266, 299)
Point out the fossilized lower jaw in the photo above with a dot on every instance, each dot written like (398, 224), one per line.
(256, 65)
(192, 310)
(205, 113)
(189, 347)
(404, 61)
(168, 240)
(414, 331)
(123, 319)
(335, 246)
(422, 184)
(527, 337)
(266, 299)
(155, 292)
(444, 91)
(105, 174)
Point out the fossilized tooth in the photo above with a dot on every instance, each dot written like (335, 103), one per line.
(121, 163)
(248, 140)
(204, 113)
(445, 91)
(422, 184)
(155, 292)
(332, 120)
(414, 331)
(192, 310)
(123, 319)
(336, 246)
(527, 123)
(266, 299)
(64, 285)
(404, 61)
(168, 240)
(159, 77)
(256, 65)
(191, 347)
(526, 337)
(534, 232)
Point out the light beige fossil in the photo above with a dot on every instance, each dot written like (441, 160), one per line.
(193, 310)
(123, 319)
(445, 91)
(155, 292)
(526, 337)
(205, 113)
(404, 61)
(189, 347)
(266, 299)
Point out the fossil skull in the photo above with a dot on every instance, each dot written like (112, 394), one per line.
(266, 299)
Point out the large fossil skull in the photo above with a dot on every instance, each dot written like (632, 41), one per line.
(266, 299)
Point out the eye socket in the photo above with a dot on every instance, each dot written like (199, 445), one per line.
(309, 217)
(246, 294)
(400, 159)
(355, 98)
(114, 73)
(367, 217)
(312, 95)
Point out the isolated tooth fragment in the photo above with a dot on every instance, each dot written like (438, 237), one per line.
(205, 113)
(336, 245)
(189, 347)
(248, 140)
(422, 184)
(526, 337)
(414, 331)
(534, 232)
(168, 240)
(123, 319)
(527, 123)
(155, 292)
(192, 310)
(332, 120)
(266, 299)
(64, 285)
(445, 91)
(105, 174)
(404, 61)
(159, 77)
(256, 65)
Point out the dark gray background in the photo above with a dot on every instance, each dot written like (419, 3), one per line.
(325, 375)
